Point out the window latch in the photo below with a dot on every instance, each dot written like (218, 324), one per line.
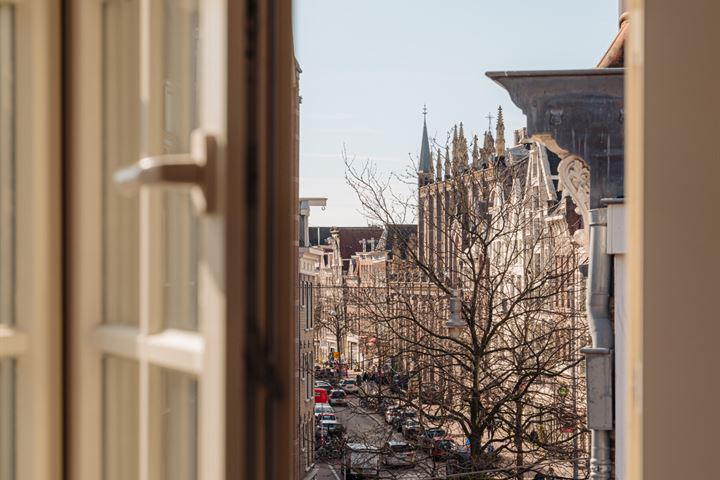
(196, 171)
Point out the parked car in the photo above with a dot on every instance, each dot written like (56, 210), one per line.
(321, 396)
(401, 416)
(426, 440)
(338, 397)
(361, 461)
(443, 448)
(411, 429)
(391, 413)
(323, 408)
(333, 427)
(349, 385)
(398, 454)
(323, 384)
(326, 416)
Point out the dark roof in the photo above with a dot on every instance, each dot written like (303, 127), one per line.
(424, 164)
(553, 160)
(350, 238)
(319, 235)
(518, 153)
(400, 233)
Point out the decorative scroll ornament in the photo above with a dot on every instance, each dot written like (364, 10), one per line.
(575, 182)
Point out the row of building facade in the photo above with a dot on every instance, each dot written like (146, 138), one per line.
(493, 221)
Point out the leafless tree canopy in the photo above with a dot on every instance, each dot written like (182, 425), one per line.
(510, 377)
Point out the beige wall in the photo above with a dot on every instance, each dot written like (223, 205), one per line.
(673, 167)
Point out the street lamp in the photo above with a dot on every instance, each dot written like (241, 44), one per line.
(455, 322)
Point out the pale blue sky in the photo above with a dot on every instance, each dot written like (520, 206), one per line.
(370, 65)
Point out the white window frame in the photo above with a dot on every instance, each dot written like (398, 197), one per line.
(149, 343)
(34, 341)
(51, 317)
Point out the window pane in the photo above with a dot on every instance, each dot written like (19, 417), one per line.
(7, 419)
(121, 84)
(7, 164)
(120, 417)
(180, 117)
(179, 420)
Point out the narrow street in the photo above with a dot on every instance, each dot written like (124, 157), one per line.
(370, 428)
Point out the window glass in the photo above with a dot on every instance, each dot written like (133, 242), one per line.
(120, 418)
(121, 147)
(180, 117)
(179, 420)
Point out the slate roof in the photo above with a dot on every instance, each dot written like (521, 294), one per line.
(350, 238)
(424, 164)
(399, 233)
(518, 153)
(318, 235)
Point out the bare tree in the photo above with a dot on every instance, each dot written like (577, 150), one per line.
(331, 314)
(496, 249)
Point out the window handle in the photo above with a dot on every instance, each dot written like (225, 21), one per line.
(195, 171)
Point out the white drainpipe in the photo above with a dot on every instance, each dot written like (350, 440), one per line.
(599, 356)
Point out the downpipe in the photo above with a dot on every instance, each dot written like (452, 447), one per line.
(599, 357)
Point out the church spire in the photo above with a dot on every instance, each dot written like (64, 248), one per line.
(487, 150)
(448, 164)
(475, 153)
(424, 163)
(453, 161)
(500, 134)
(461, 152)
(438, 168)
(431, 170)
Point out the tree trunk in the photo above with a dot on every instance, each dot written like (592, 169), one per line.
(519, 460)
(476, 418)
